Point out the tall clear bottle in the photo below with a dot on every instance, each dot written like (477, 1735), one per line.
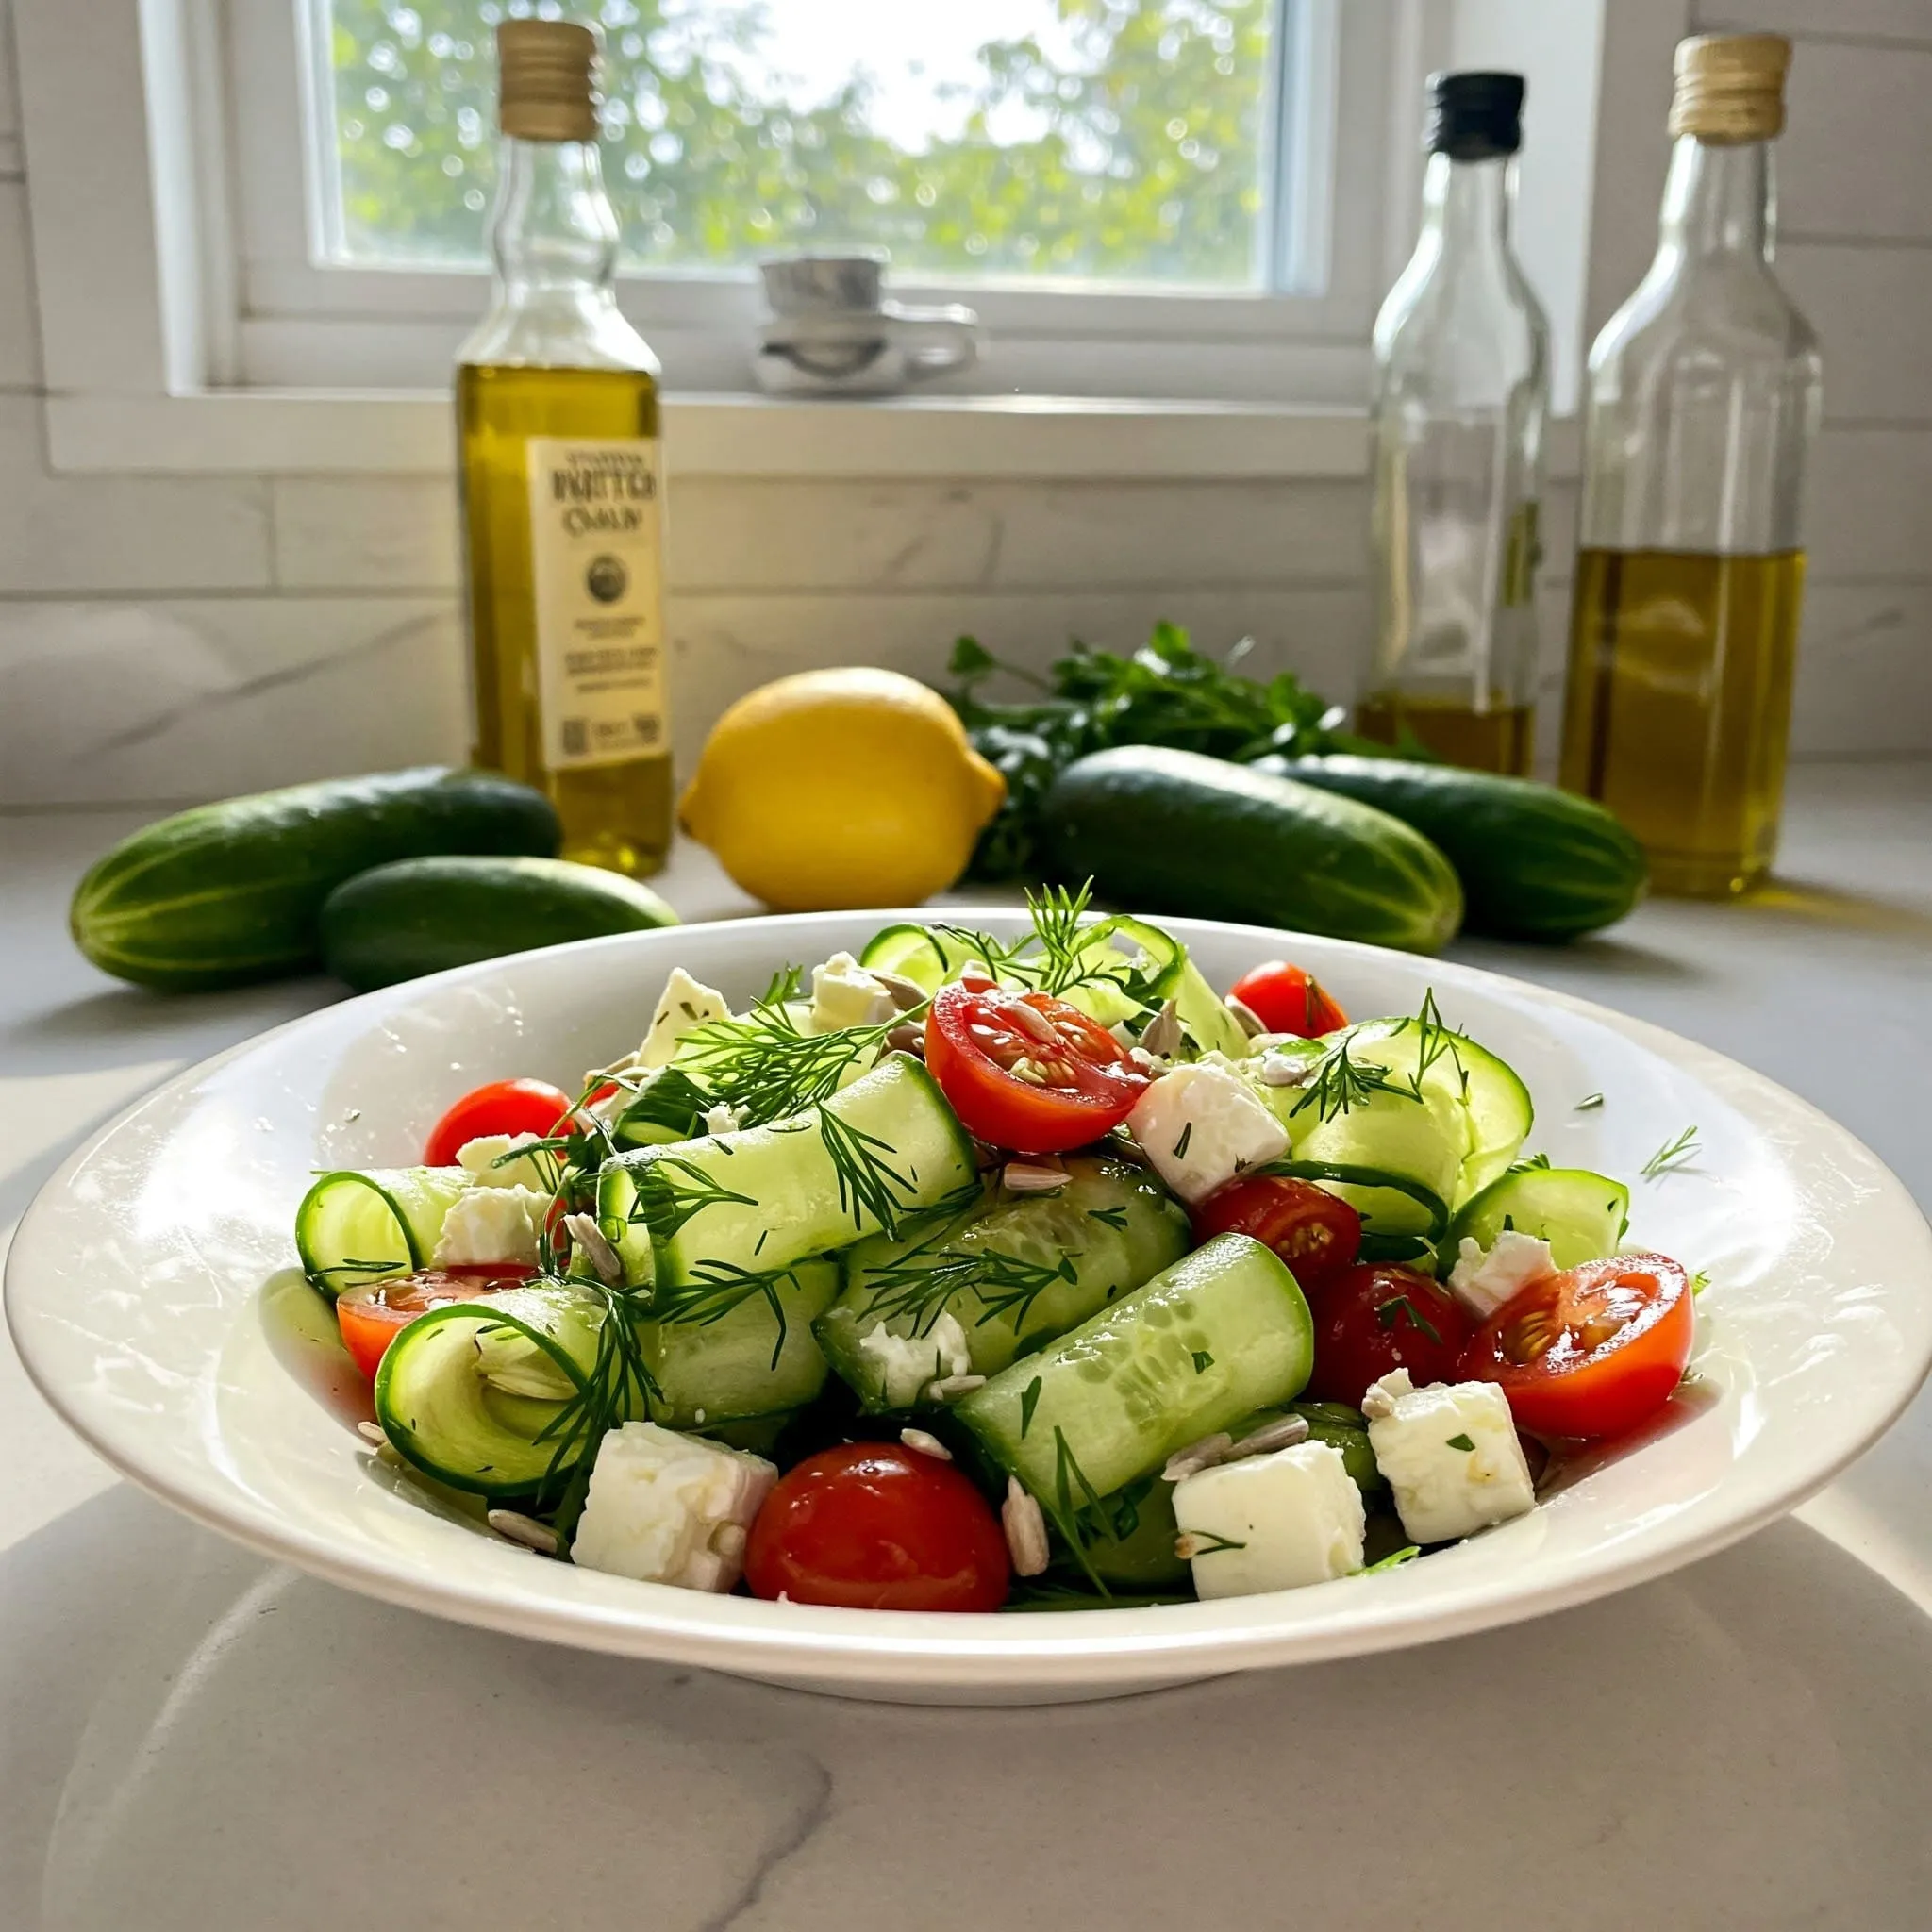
(1462, 357)
(556, 403)
(1704, 391)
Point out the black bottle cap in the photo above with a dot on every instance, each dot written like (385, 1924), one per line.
(1475, 117)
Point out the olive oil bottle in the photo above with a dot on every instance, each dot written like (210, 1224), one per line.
(1703, 395)
(558, 412)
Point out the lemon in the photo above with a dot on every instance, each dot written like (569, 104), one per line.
(840, 787)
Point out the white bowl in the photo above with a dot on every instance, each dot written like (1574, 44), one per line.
(136, 1294)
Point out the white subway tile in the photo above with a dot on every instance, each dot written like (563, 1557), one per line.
(1868, 504)
(199, 698)
(1864, 681)
(20, 354)
(1869, 306)
(1889, 20)
(339, 533)
(1856, 155)
(121, 533)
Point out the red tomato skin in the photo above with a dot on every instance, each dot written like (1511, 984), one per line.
(1361, 1331)
(874, 1526)
(1318, 1234)
(1289, 999)
(1573, 1391)
(504, 1107)
(1004, 1110)
(371, 1317)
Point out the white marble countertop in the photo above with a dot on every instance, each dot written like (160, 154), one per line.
(192, 1737)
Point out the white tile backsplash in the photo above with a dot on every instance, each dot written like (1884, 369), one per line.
(1869, 305)
(1856, 159)
(20, 354)
(365, 533)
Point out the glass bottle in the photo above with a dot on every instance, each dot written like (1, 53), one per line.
(556, 403)
(1462, 357)
(1704, 394)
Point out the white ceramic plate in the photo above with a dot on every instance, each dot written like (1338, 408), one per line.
(136, 1293)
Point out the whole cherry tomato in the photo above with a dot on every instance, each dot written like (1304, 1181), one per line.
(371, 1316)
(1025, 1070)
(1372, 1318)
(875, 1526)
(1318, 1234)
(1593, 1350)
(1287, 999)
(504, 1107)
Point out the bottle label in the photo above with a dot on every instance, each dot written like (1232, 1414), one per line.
(596, 581)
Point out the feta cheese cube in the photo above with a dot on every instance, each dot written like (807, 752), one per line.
(1450, 1453)
(1270, 1521)
(683, 1005)
(843, 994)
(492, 1224)
(482, 1156)
(665, 1507)
(908, 1363)
(1483, 1282)
(1201, 1126)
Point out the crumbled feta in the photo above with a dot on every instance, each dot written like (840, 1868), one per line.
(724, 1118)
(492, 1224)
(1483, 1282)
(1450, 1453)
(1270, 1521)
(484, 1158)
(908, 1363)
(683, 1005)
(1201, 1126)
(665, 1507)
(843, 994)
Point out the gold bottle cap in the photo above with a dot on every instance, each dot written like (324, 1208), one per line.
(1731, 87)
(544, 87)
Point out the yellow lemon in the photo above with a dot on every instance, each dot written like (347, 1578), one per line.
(840, 787)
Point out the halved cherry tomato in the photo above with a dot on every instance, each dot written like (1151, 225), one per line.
(1318, 1234)
(873, 1526)
(504, 1107)
(1287, 999)
(371, 1316)
(1372, 1318)
(1025, 1070)
(1591, 1350)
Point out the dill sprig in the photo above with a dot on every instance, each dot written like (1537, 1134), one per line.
(869, 1185)
(669, 1188)
(1062, 949)
(1341, 1083)
(1672, 1153)
(921, 1283)
(716, 1288)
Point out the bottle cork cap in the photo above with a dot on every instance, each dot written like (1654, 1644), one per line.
(1731, 87)
(544, 89)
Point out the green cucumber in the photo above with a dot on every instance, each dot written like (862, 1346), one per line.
(1128, 1541)
(1014, 1270)
(1222, 1332)
(231, 893)
(1535, 863)
(752, 1203)
(1582, 1215)
(422, 915)
(754, 1359)
(353, 1227)
(1179, 832)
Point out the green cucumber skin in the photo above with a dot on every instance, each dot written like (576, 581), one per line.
(1535, 863)
(414, 916)
(1581, 1213)
(1177, 832)
(230, 894)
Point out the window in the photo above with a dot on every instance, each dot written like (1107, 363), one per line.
(1141, 197)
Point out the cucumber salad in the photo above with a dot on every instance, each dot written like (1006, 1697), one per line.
(973, 1274)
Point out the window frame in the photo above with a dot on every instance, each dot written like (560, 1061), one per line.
(300, 319)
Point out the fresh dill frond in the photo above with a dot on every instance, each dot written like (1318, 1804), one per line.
(1674, 1153)
(1029, 1401)
(869, 1184)
(716, 1288)
(1530, 1163)
(672, 1187)
(1340, 1083)
(1395, 1559)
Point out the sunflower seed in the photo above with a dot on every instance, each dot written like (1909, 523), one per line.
(1026, 1530)
(1284, 1434)
(906, 993)
(1033, 1177)
(371, 1432)
(1030, 1019)
(1197, 1456)
(906, 1037)
(597, 1251)
(729, 1538)
(1162, 1034)
(949, 1386)
(1187, 1546)
(920, 1444)
(1277, 1069)
(1251, 1023)
(515, 1527)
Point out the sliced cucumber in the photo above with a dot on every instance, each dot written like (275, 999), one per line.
(1205, 1016)
(1129, 1539)
(1221, 1332)
(352, 1227)
(439, 1396)
(1582, 1215)
(667, 1105)
(1013, 1271)
(757, 1358)
(756, 1202)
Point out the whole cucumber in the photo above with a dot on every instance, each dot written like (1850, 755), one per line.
(421, 915)
(231, 893)
(1535, 863)
(1176, 831)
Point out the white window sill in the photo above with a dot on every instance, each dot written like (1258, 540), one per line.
(329, 432)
